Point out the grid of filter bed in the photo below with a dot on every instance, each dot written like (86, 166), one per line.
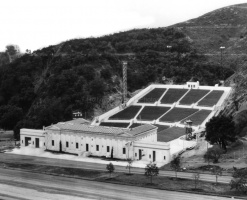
(152, 96)
(173, 95)
(170, 134)
(193, 96)
(198, 117)
(150, 113)
(177, 114)
(160, 127)
(126, 114)
(211, 99)
(114, 124)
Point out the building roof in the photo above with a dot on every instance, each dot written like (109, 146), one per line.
(114, 131)
(141, 129)
(78, 121)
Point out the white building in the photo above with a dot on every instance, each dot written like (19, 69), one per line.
(139, 143)
(33, 138)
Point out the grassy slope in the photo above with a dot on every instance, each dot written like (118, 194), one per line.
(225, 26)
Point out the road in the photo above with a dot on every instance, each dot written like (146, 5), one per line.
(25, 185)
(86, 165)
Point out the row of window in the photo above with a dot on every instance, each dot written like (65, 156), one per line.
(97, 146)
(192, 86)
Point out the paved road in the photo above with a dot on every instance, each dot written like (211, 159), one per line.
(24, 185)
(86, 165)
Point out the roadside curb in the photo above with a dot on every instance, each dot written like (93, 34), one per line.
(113, 182)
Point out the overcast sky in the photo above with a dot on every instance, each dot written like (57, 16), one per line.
(33, 24)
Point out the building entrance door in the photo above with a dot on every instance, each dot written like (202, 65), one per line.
(86, 147)
(27, 141)
(37, 142)
(140, 154)
(154, 159)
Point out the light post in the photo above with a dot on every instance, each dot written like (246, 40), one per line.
(221, 59)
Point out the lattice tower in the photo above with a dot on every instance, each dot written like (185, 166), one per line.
(124, 81)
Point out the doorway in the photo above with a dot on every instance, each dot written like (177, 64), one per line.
(27, 141)
(36, 142)
(154, 156)
(140, 154)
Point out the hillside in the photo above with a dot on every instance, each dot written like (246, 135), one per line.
(223, 27)
(45, 86)
(85, 74)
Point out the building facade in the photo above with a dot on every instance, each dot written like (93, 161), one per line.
(32, 138)
(138, 143)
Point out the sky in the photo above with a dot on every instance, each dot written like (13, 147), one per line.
(34, 24)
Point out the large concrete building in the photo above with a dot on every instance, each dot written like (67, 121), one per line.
(138, 143)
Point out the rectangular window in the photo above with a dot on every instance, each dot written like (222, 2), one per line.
(164, 157)
(135, 154)
(124, 151)
(67, 144)
(52, 142)
(22, 141)
(108, 149)
(97, 147)
(77, 145)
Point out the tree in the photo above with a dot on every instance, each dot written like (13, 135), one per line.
(214, 154)
(9, 116)
(239, 184)
(175, 164)
(151, 170)
(12, 49)
(239, 181)
(220, 130)
(217, 171)
(240, 122)
(129, 164)
(196, 177)
(110, 167)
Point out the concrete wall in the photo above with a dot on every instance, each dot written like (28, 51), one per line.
(180, 144)
(77, 143)
(148, 149)
(32, 135)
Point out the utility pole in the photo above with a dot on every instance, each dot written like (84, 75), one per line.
(221, 60)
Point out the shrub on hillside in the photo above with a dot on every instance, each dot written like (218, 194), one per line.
(213, 154)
